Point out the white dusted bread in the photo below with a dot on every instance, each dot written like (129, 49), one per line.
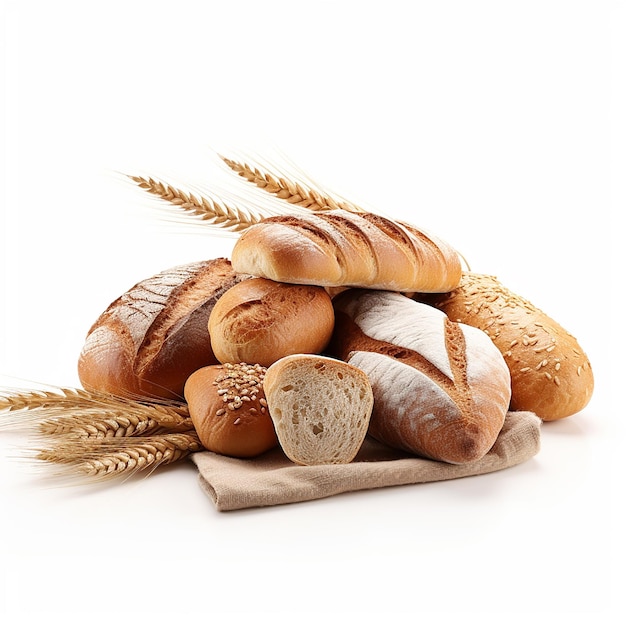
(338, 248)
(441, 389)
(320, 408)
(550, 372)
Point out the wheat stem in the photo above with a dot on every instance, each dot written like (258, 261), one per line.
(292, 192)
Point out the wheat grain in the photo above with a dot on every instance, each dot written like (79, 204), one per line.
(86, 425)
(291, 191)
(97, 435)
(216, 213)
(81, 413)
(115, 458)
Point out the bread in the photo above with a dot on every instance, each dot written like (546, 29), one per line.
(550, 373)
(441, 389)
(260, 321)
(320, 408)
(338, 248)
(149, 340)
(228, 409)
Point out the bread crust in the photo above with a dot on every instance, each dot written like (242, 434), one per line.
(228, 409)
(338, 248)
(441, 389)
(261, 321)
(550, 373)
(150, 339)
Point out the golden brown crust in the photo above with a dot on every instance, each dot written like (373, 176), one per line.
(148, 341)
(339, 248)
(550, 373)
(228, 409)
(260, 321)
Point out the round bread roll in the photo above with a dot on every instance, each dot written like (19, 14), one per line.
(149, 340)
(260, 321)
(228, 409)
(550, 373)
(320, 407)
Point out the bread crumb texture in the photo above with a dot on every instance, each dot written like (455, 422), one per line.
(320, 408)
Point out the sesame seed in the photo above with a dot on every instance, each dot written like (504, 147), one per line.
(220, 412)
(557, 380)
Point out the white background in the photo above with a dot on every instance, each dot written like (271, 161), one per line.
(496, 125)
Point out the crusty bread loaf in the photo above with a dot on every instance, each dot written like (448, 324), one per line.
(261, 320)
(320, 408)
(338, 248)
(441, 389)
(228, 409)
(149, 340)
(550, 373)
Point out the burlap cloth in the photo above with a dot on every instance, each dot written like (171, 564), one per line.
(272, 478)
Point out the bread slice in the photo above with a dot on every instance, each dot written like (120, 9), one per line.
(320, 407)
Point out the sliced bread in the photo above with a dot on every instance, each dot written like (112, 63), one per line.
(320, 407)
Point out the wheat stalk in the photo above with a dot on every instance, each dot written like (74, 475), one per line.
(115, 458)
(291, 191)
(82, 413)
(85, 426)
(96, 435)
(216, 213)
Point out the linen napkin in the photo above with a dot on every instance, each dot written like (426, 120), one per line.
(272, 479)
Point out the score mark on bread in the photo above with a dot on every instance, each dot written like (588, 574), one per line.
(338, 248)
(441, 389)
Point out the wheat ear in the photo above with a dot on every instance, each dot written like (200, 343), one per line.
(291, 191)
(216, 213)
(97, 435)
(102, 459)
(79, 413)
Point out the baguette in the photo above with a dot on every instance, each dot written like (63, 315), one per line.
(150, 339)
(320, 408)
(338, 248)
(550, 373)
(441, 389)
